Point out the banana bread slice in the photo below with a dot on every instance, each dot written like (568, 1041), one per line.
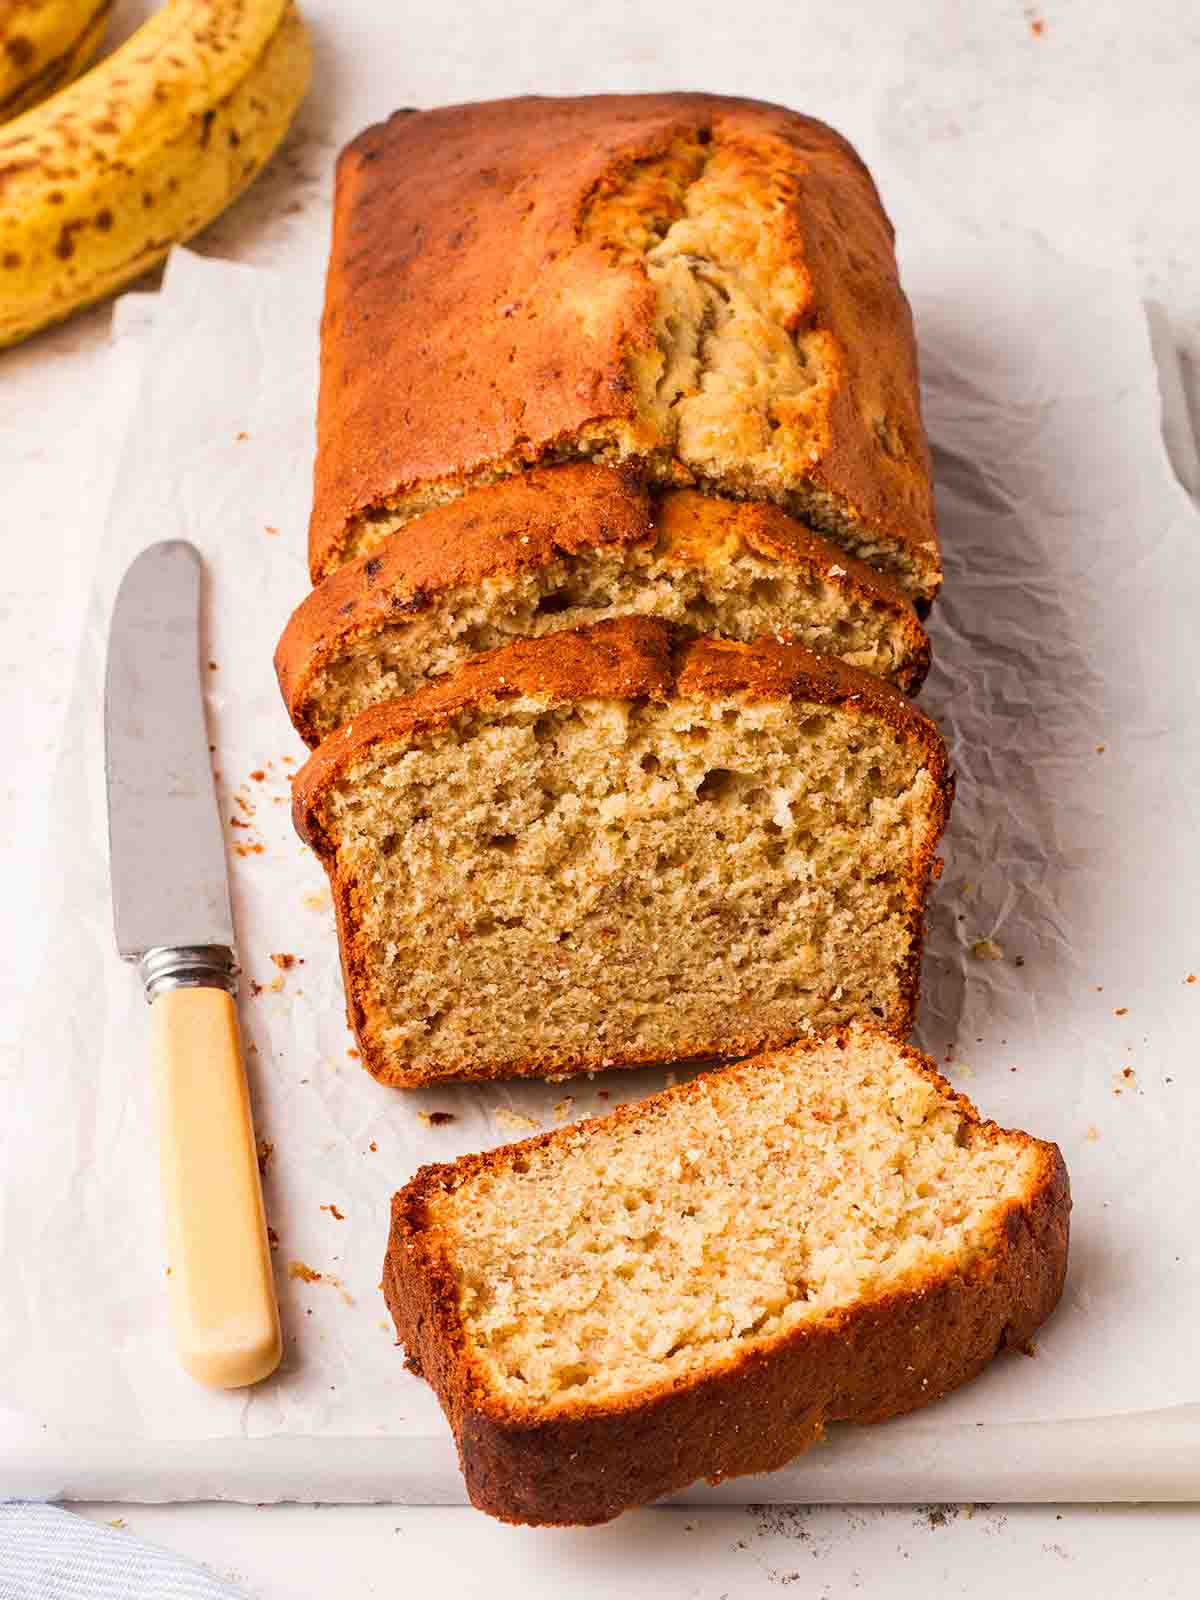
(558, 547)
(615, 846)
(702, 288)
(693, 1286)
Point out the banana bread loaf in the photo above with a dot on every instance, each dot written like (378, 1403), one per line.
(557, 547)
(701, 288)
(693, 1286)
(615, 846)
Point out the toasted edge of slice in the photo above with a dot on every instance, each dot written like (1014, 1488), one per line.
(628, 659)
(561, 547)
(884, 1354)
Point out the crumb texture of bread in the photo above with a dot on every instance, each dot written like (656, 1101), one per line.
(815, 1211)
(699, 288)
(537, 876)
(561, 547)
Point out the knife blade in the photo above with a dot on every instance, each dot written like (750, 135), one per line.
(170, 884)
(171, 913)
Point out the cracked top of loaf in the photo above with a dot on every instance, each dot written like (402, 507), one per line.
(700, 288)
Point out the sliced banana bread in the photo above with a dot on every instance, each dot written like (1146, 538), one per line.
(702, 288)
(616, 846)
(561, 546)
(693, 1286)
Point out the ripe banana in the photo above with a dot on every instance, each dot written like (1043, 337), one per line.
(44, 44)
(98, 183)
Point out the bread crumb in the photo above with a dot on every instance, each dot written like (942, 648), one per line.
(987, 950)
(306, 1274)
(1121, 1011)
(338, 1216)
(513, 1121)
(317, 899)
(240, 436)
(283, 960)
(269, 529)
(272, 1238)
(1191, 978)
(258, 775)
(1099, 749)
(255, 988)
(254, 849)
(265, 1150)
(1093, 1133)
(353, 1054)
(435, 1119)
(372, 1146)
(563, 1108)
(117, 1522)
(276, 984)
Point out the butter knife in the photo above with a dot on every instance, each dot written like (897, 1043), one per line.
(170, 891)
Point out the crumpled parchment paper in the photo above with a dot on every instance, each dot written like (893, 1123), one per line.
(1063, 937)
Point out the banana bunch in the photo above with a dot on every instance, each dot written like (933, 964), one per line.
(99, 182)
(44, 44)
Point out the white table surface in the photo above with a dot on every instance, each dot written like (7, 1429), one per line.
(1085, 131)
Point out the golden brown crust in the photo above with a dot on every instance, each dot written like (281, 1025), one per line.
(752, 1412)
(470, 330)
(517, 525)
(628, 658)
(523, 524)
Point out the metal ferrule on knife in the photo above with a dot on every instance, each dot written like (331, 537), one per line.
(197, 966)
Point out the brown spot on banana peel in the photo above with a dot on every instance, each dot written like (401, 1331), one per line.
(19, 50)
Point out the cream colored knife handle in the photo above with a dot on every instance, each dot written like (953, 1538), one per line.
(222, 1291)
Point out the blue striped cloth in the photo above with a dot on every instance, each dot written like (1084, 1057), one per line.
(48, 1554)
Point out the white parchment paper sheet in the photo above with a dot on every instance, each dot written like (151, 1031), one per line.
(1065, 683)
